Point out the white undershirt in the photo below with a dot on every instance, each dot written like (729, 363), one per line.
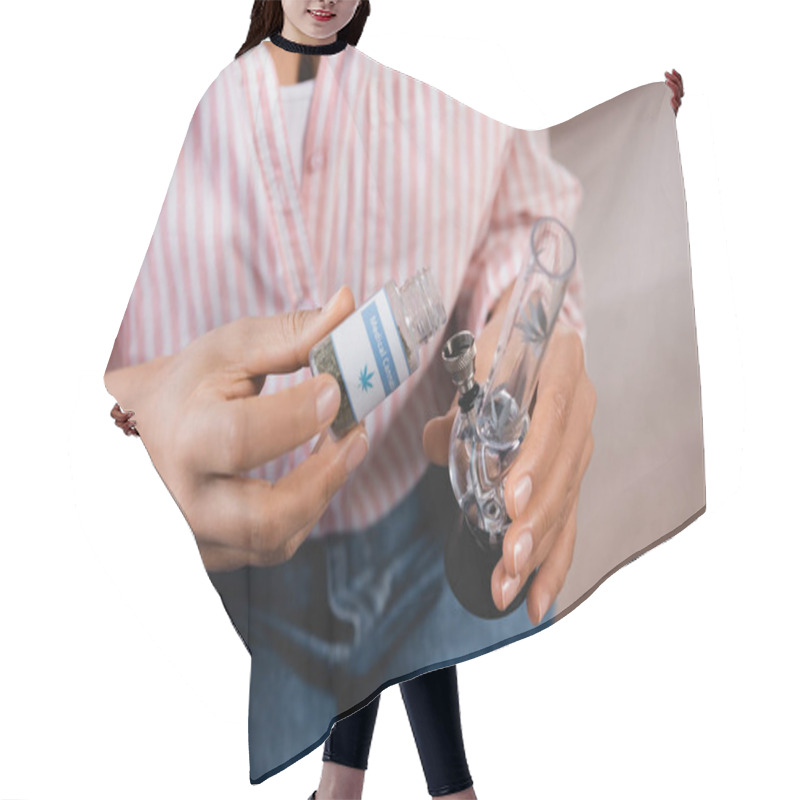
(296, 102)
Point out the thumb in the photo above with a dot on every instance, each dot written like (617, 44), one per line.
(280, 343)
(313, 326)
(436, 436)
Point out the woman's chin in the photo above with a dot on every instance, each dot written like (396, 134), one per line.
(315, 39)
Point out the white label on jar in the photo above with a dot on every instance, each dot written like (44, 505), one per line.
(370, 354)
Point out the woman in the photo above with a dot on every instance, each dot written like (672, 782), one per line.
(432, 698)
(183, 330)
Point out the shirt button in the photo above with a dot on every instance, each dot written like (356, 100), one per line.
(316, 161)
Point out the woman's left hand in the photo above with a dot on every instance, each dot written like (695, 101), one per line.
(542, 487)
(675, 82)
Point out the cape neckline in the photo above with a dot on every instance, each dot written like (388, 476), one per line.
(309, 49)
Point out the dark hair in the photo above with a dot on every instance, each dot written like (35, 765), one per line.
(266, 19)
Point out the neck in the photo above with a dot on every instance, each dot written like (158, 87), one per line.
(290, 67)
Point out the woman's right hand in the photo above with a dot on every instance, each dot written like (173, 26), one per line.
(203, 423)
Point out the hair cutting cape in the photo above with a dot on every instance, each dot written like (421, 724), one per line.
(397, 176)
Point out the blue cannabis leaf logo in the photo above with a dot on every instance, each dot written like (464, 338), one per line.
(365, 379)
(533, 322)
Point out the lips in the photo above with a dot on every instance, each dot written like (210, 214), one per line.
(323, 16)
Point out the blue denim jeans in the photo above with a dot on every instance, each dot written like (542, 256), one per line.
(350, 614)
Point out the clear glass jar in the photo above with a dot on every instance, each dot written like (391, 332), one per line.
(377, 347)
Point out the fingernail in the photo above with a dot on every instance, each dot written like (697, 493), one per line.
(509, 589)
(522, 493)
(544, 604)
(331, 303)
(327, 402)
(522, 550)
(356, 452)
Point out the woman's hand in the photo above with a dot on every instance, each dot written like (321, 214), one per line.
(675, 82)
(542, 487)
(124, 420)
(203, 423)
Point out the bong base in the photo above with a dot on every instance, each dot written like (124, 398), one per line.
(469, 561)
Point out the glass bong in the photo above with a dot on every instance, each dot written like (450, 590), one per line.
(488, 432)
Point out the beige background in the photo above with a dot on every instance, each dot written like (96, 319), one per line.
(646, 479)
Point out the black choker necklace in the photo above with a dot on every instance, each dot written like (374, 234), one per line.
(309, 49)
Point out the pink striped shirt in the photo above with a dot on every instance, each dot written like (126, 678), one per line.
(397, 176)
